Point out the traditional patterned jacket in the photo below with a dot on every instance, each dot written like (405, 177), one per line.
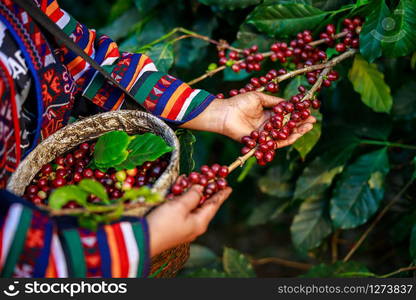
(56, 85)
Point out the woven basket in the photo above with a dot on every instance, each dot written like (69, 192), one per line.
(168, 263)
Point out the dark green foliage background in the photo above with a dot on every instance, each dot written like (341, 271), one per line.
(292, 208)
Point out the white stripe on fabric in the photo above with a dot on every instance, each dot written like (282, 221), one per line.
(131, 247)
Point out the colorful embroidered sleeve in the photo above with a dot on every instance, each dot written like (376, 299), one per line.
(33, 245)
(161, 94)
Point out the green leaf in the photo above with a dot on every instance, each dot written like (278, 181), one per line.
(236, 264)
(95, 188)
(187, 141)
(318, 175)
(292, 88)
(311, 224)
(282, 20)
(162, 56)
(337, 269)
(65, 194)
(404, 104)
(119, 7)
(277, 182)
(207, 273)
(400, 34)
(230, 4)
(262, 213)
(369, 83)
(111, 148)
(121, 25)
(144, 147)
(306, 143)
(412, 247)
(200, 256)
(413, 61)
(250, 163)
(330, 52)
(144, 6)
(373, 30)
(143, 194)
(359, 191)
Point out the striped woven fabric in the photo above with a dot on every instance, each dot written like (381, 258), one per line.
(161, 94)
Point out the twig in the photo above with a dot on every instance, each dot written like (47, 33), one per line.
(401, 270)
(328, 65)
(282, 262)
(265, 54)
(375, 222)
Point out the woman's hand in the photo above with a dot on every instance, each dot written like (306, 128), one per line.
(181, 220)
(239, 115)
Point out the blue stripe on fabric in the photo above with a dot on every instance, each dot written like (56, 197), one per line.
(166, 96)
(82, 42)
(199, 108)
(104, 252)
(35, 79)
(102, 50)
(43, 259)
(145, 227)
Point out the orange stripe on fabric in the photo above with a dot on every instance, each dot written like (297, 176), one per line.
(78, 60)
(51, 269)
(51, 8)
(122, 251)
(173, 99)
(112, 50)
(112, 245)
(179, 103)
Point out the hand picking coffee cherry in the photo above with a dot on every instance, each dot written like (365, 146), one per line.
(211, 178)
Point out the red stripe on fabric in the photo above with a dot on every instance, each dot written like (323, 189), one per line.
(121, 244)
(78, 68)
(16, 123)
(56, 15)
(179, 103)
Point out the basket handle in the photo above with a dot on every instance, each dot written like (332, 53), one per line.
(43, 21)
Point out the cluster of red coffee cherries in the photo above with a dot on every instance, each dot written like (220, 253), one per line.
(211, 178)
(73, 167)
(299, 51)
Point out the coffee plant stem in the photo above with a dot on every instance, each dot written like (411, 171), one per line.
(376, 220)
(401, 270)
(265, 54)
(282, 262)
(328, 65)
(388, 144)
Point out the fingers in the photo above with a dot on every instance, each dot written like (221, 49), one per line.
(267, 100)
(191, 198)
(207, 211)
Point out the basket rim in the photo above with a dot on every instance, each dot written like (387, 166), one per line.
(73, 126)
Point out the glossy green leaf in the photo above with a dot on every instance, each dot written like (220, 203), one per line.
(200, 256)
(236, 264)
(369, 82)
(311, 224)
(373, 30)
(279, 20)
(359, 191)
(404, 104)
(144, 147)
(338, 269)
(162, 55)
(93, 187)
(400, 34)
(111, 148)
(61, 196)
(277, 182)
(292, 88)
(306, 143)
(187, 141)
(230, 4)
(318, 175)
(412, 247)
(119, 7)
(207, 273)
(262, 212)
